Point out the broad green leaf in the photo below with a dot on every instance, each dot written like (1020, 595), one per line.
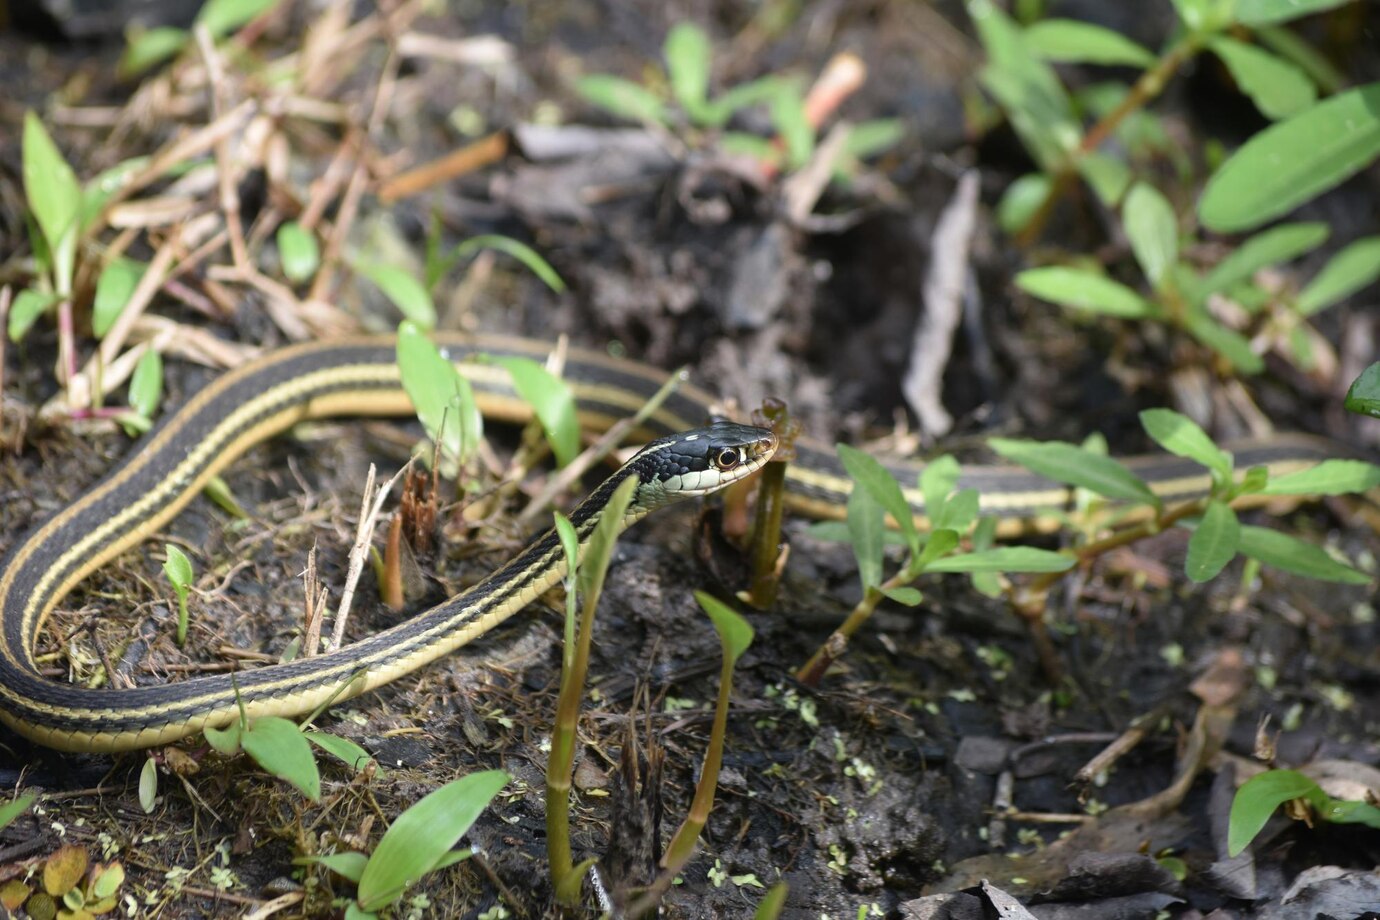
(937, 482)
(1228, 343)
(1263, 12)
(868, 473)
(937, 545)
(348, 865)
(1152, 229)
(1363, 397)
(734, 631)
(423, 835)
(404, 290)
(54, 197)
(1084, 290)
(14, 808)
(687, 54)
(773, 903)
(1181, 436)
(298, 250)
(1295, 48)
(221, 17)
(1293, 161)
(1355, 267)
(113, 289)
(1076, 466)
(1257, 800)
(148, 785)
(551, 400)
(177, 567)
(1293, 555)
(442, 397)
(1213, 543)
(1341, 812)
(1108, 176)
(1072, 41)
(1277, 87)
(754, 92)
(905, 595)
(1331, 477)
(869, 138)
(866, 532)
(599, 550)
(1270, 247)
(225, 740)
(960, 511)
(1004, 559)
(146, 48)
(279, 746)
(1254, 481)
(98, 191)
(525, 254)
(342, 749)
(28, 305)
(108, 881)
(1021, 200)
(789, 119)
(146, 384)
(622, 98)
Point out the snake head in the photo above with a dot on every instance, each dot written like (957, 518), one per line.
(699, 462)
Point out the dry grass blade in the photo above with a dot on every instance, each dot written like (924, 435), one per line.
(370, 507)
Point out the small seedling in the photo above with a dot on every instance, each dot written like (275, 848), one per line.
(178, 568)
(1303, 799)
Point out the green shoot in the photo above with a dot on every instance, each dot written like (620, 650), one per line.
(1363, 397)
(443, 398)
(299, 251)
(403, 289)
(14, 808)
(148, 785)
(277, 745)
(551, 400)
(151, 47)
(178, 568)
(437, 266)
(145, 392)
(418, 843)
(765, 543)
(585, 581)
(1260, 795)
(773, 903)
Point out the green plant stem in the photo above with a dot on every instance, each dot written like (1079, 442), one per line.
(562, 762)
(833, 648)
(1150, 85)
(766, 537)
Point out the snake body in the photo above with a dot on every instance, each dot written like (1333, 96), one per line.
(360, 378)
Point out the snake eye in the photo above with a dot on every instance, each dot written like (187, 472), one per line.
(728, 458)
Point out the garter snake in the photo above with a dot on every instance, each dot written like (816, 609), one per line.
(360, 377)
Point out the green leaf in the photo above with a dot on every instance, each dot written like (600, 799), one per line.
(279, 746)
(28, 305)
(868, 473)
(687, 54)
(1074, 42)
(1254, 481)
(146, 48)
(1021, 200)
(789, 120)
(1084, 290)
(1340, 812)
(1152, 229)
(960, 511)
(937, 481)
(1331, 477)
(525, 254)
(551, 400)
(146, 384)
(54, 197)
(1228, 343)
(14, 808)
(1076, 466)
(342, 749)
(405, 291)
(354, 912)
(905, 596)
(754, 92)
(298, 250)
(225, 740)
(1182, 437)
(348, 865)
(1293, 161)
(599, 549)
(177, 567)
(773, 902)
(148, 785)
(734, 631)
(424, 834)
(1004, 559)
(869, 138)
(113, 289)
(866, 525)
(1293, 555)
(1108, 176)
(443, 398)
(1257, 800)
(1213, 543)
(98, 191)
(622, 98)
(737, 143)
(1363, 397)
(1271, 247)
(938, 544)
(1263, 12)
(221, 17)
(1278, 88)
(1355, 267)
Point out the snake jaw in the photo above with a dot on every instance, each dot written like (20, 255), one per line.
(700, 462)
